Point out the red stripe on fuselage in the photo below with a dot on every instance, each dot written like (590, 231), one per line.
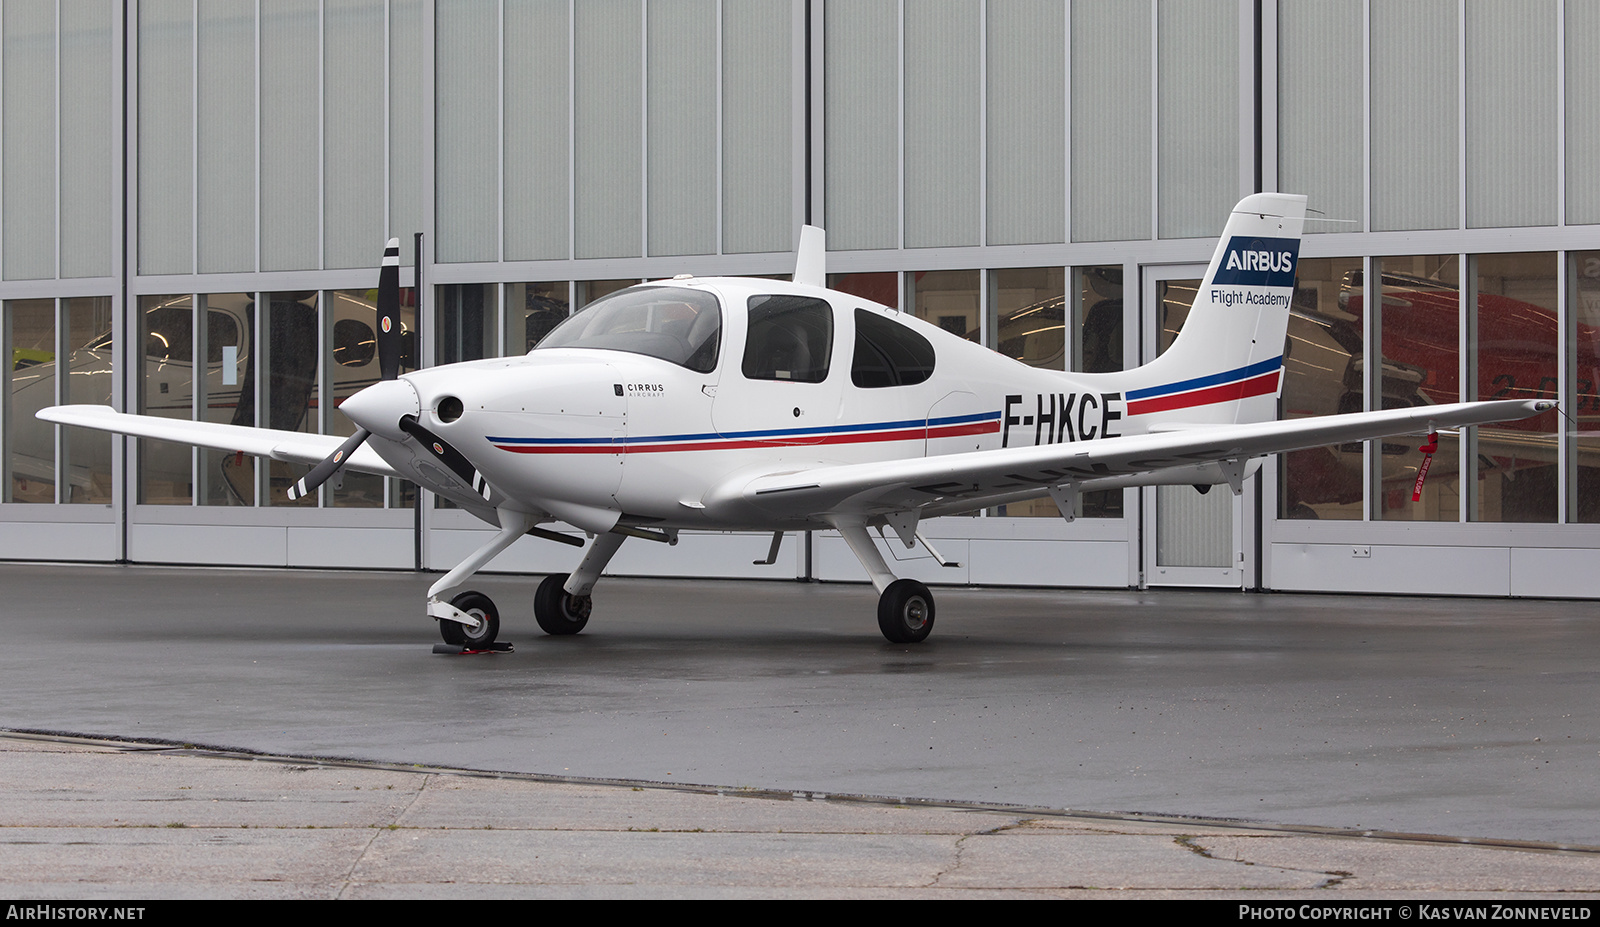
(1255, 386)
(904, 434)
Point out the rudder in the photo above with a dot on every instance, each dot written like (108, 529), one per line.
(1227, 362)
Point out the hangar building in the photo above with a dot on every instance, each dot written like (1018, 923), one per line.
(194, 196)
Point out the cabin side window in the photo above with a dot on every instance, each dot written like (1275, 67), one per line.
(888, 353)
(790, 338)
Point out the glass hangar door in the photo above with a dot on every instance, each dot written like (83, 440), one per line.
(1190, 538)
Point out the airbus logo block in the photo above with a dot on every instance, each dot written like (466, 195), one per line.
(1258, 262)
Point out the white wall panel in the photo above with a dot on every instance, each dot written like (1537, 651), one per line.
(1025, 136)
(353, 143)
(758, 137)
(726, 555)
(1048, 563)
(1422, 570)
(609, 100)
(1582, 38)
(29, 116)
(166, 137)
(1556, 573)
(350, 548)
(1512, 142)
(291, 135)
(723, 555)
(681, 106)
(408, 182)
(467, 169)
(1111, 120)
(218, 544)
(226, 133)
(1197, 119)
(538, 98)
(1322, 107)
(832, 560)
(943, 123)
(21, 540)
(862, 148)
(90, 153)
(1415, 169)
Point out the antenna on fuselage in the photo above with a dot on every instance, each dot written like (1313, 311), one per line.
(811, 257)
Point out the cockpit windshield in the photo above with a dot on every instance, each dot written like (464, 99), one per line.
(676, 324)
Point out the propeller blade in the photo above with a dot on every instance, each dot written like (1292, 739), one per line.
(389, 312)
(446, 454)
(319, 474)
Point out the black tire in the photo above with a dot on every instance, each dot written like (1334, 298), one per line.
(557, 611)
(905, 612)
(479, 606)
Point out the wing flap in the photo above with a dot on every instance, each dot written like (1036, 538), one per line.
(943, 483)
(290, 446)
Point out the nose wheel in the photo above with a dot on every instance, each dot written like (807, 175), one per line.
(480, 607)
(557, 610)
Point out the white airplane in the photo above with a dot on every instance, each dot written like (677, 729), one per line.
(732, 403)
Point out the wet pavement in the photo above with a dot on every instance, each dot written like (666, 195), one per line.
(1467, 718)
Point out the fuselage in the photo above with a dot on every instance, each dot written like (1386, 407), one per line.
(584, 434)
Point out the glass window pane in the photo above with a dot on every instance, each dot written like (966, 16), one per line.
(1030, 326)
(1514, 343)
(89, 353)
(403, 493)
(1097, 348)
(1097, 315)
(351, 364)
(888, 354)
(676, 324)
(591, 290)
(30, 444)
(532, 310)
(789, 338)
(467, 319)
(1584, 447)
(166, 388)
(291, 383)
(1419, 321)
(948, 299)
(1030, 315)
(1324, 362)
(882, 288)
(227, 479)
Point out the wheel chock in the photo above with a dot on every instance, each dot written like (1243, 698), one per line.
(455, 649)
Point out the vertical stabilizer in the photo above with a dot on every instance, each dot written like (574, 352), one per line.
(1227, 361)
(811, 258)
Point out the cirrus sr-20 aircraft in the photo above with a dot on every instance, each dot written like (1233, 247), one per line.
(733, 403)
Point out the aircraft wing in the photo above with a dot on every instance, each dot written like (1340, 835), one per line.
(292, 446)
(962, 482)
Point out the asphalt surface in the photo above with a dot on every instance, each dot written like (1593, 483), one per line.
(1281, 718)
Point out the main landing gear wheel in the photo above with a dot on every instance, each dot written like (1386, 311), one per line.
(558, 611)
(480, 607)
(905, 612)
